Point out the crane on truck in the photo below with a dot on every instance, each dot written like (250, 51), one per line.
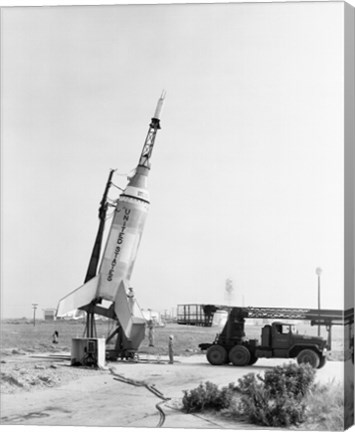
(278, 340)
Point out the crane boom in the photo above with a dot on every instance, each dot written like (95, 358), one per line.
(321, 316)
(202, 314)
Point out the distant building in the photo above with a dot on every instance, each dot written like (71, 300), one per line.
(155, 316)
(49, 314)
(74, 315)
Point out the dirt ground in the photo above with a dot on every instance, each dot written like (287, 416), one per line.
(46, 390)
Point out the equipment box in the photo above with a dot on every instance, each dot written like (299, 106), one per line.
(88, 352)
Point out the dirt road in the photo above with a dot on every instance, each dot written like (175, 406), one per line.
(100, 400)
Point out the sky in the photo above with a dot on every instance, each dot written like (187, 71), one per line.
(247, 171)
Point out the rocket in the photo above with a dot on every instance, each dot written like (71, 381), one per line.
(115, 269)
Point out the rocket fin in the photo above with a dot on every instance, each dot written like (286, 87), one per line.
(122, 309)
(133, 326)
(78, 298)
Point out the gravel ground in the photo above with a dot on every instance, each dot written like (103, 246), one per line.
(23, 372)
(47, 391)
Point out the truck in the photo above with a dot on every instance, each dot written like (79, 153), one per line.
(278, 340)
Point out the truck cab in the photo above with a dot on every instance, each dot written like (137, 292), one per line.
(280, 340)
(276, 337)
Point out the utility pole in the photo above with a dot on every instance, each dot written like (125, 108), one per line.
(34, 307)
(318, 273)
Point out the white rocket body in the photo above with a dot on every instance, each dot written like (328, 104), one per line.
(119, 255)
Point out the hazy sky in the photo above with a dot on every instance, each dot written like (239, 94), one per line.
(247, 171)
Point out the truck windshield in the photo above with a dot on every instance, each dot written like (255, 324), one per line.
(285, 329)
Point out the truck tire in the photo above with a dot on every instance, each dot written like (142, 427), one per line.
(239, 355)
(322, 361)
(309, 356)
(252, 360)
(216, 355)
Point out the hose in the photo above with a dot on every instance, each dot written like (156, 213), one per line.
(149, 387)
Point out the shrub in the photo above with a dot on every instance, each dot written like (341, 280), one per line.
(326, 407)
(291, 378)
(277, 399)
(259, 407)
(207, 396)
(247, 384)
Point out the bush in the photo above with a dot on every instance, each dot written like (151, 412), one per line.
(327, 409)
(277, 399)
(259, 407)
(290, 378)
(207, 396)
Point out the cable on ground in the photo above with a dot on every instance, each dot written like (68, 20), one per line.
(149, 387)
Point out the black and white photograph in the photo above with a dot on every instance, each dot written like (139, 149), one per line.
(177, 215)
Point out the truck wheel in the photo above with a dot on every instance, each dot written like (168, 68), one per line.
(239, 355)
(309, 356)
(322, 362)
(252, 360)
(216, 355)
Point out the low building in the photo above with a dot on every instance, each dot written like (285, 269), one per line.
(155, 316)
(49, 314)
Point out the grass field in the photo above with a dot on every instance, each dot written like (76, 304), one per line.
(22, 335)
